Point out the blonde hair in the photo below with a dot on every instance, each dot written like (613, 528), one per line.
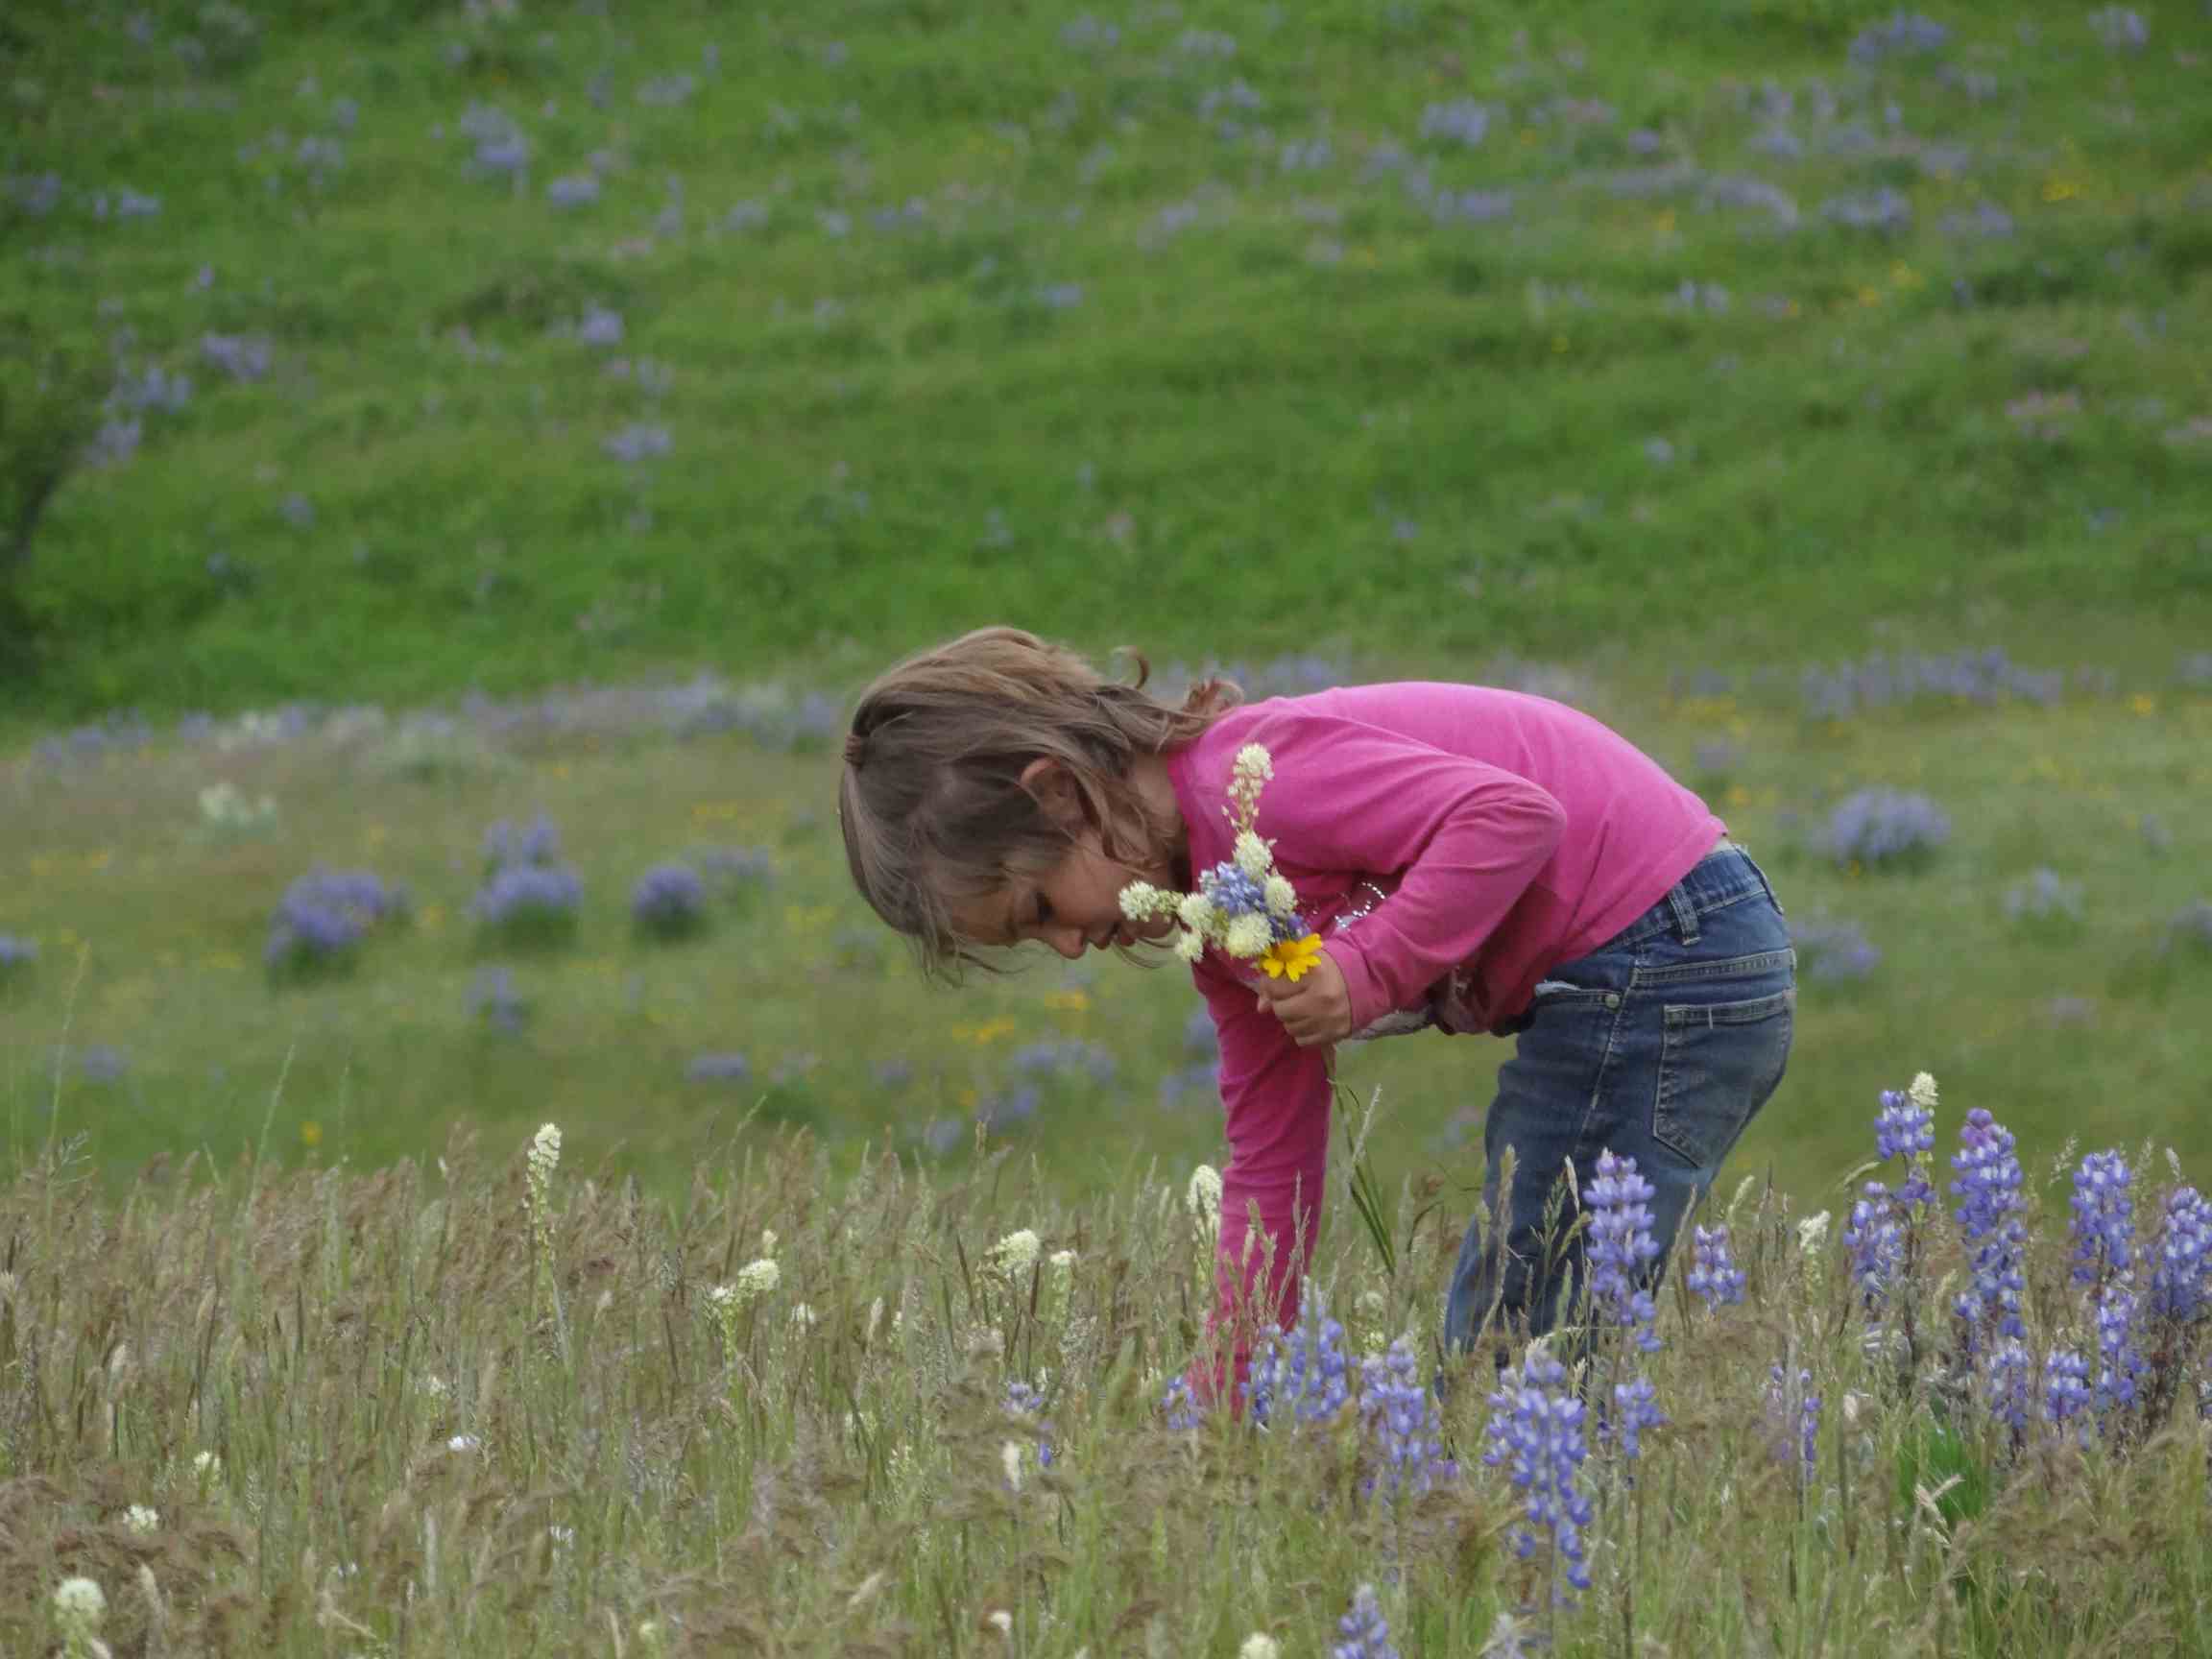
(932, 800)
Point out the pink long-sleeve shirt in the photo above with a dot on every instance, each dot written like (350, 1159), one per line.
(1513, 833)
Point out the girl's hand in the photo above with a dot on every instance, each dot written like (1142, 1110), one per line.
(1317, 1010)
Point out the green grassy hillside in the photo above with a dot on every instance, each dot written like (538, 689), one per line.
(1669, 332)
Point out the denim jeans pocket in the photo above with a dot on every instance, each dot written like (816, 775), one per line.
(1718, 1062)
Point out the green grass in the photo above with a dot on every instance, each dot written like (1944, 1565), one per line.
(151, 934)
(431, 1435)
(1213, 450)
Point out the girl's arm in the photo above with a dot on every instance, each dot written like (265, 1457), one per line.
(1470, 837)
(1275, 1097)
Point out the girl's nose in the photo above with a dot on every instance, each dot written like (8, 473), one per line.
(1068, 942)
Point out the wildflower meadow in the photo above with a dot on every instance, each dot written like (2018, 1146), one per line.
(476, 1180)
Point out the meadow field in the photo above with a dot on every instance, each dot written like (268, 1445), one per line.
(458, 465)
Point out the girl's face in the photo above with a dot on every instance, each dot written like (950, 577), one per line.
(1076, 904)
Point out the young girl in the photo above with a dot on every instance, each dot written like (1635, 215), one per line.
(1475, 861)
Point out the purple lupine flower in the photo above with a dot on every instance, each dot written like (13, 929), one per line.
(1304, 1373)
(1636, 1409)
(573, 190)
(529, 896)
(1879, 209)
(16, 954)
(1903, 1128)
(669, 902)
(894, 1075)
(1905, 35)
(1024, 1402)
(2119, 1358)
(2120, 30)
(1184, 1412)
(1621, 1246)
(1875, 1237)
(494, 994)
(719, 1068)
(2103, 1224)
(2065, 1386)
(1713, 1271)
(1988, 1194)
(2181, 1269)
(103, 1063)
(1366, 1635)
(1050, 1058)
(2008, 1368)
(2044, 897)
(1406, 1424)
(638, 441)
(2191, 926)
(1877, 828)
(538, 844)
(1536, 1434)
(1793, 1412)
(1834, 950)
(1008, 1106)
(1462, 120)
(324, 915)
(244, 357)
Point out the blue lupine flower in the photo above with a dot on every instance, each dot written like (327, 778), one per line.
(1794, 1410)
(1636, 1408)
(1713, 1271)
(2182, 1271)
(1366, 1636)
(1875, 1238)
(2119, 1358)
(1878, 828)
(538, 844)
(103, 1063)
(2044, 897)
(1405, 1421)
(1621, 1246)
(1988, 1194)
(527, 892)
(1008, 1107)
(2120, 30)
(1234, 891)
(1903, 1128)
(1303, 1374)
(1462, 119)
(669, 902)
(16, 955)
(728, 1067)
(1905, 35)
(528, 895)
(2065, 1386)
(638, 441)
(1024, 1402)
(1834, 952)
(1883, 209)
(1184, 1412)
(2191, 926)
(1536, 1434)
(894, 1075)
(1048, 1058)
(324, 915)
(2009, 1369)
(492, 993)
(2103, 1224)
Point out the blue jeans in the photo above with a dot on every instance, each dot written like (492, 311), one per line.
(1661, 1045)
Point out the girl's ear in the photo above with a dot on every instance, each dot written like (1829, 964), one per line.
(1048, 781)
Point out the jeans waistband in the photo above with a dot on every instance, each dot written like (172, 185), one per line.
(1723, 876)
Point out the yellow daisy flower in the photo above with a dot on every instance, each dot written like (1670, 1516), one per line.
(1292, 959)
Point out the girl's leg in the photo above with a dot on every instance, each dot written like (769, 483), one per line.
(1662, 1047)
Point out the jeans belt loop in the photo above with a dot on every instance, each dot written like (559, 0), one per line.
(1684, 916)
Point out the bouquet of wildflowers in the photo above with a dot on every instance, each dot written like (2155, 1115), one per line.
(1243, 906)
